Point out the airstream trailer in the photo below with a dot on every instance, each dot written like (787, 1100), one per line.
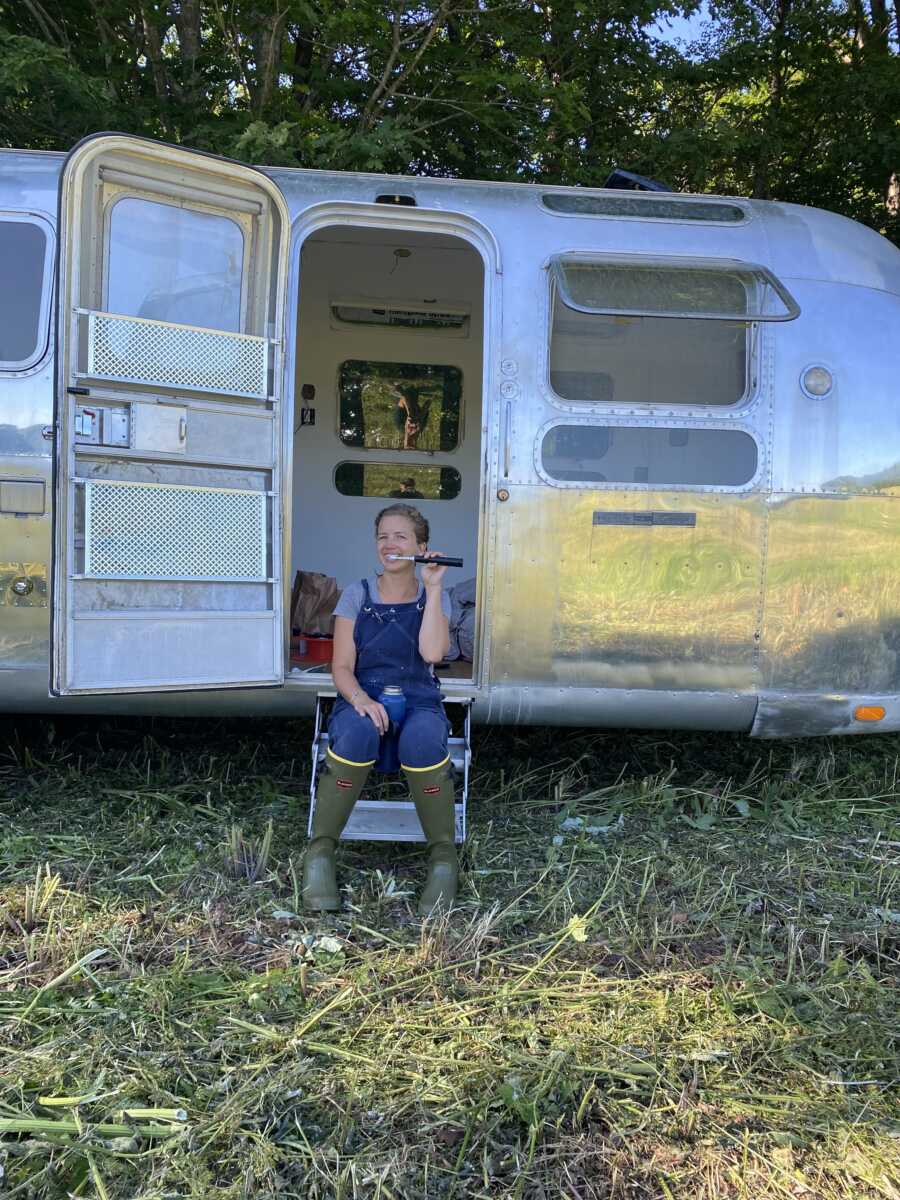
(662, 431)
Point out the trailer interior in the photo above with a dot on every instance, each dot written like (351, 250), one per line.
(387, 409)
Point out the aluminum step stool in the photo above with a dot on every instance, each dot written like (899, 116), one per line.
(392, 820)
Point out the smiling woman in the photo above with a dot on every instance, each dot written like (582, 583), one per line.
(390, 630)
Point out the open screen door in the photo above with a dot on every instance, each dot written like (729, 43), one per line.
(168, 551)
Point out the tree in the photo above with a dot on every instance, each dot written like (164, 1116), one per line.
(794, 99)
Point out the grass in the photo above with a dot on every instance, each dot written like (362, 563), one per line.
(673, 973)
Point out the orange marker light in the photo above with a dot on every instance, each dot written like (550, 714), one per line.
(868, 712)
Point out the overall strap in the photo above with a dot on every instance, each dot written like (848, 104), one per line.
(368, 602)
(368, 607)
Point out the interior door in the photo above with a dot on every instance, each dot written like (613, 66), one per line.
(168, 525)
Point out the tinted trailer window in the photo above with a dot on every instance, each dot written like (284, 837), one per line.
(653, 333)
(23, 333)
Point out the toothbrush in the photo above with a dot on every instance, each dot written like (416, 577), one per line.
(422, 558)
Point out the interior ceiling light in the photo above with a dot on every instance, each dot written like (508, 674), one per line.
(400, 252)
(400, 314)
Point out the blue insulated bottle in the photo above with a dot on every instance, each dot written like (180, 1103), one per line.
(394, 702)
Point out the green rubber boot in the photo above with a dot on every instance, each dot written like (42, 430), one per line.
(339, 788)
(432, 793)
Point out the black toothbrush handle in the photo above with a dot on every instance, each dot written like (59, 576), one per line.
(438, 561)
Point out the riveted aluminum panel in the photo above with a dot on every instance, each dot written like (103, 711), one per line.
(832, 602)
(31, 577)
(230, 436)
(817, 714)
(159, 428)
(847, 442)
(616, 708)
(104, 595)
(135, 651)
(114, 467)
(593, 605)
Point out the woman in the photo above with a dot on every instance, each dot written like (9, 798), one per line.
(389, 630)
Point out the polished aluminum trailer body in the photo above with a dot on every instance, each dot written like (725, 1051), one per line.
(768, 604)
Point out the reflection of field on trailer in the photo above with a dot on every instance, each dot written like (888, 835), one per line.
(661, 430)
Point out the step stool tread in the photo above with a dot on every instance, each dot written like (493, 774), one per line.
(390, 821)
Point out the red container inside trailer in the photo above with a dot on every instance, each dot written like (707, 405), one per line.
(312, 649)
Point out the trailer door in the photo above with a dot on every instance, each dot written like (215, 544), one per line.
(169, 418)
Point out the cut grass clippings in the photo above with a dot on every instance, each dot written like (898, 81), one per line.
(673, 972)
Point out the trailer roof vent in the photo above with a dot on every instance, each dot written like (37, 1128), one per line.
(405, 201)
(633, 182)
(644, 207)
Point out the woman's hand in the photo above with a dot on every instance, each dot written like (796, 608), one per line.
(434, 635)
(432, 577)
(377, 713)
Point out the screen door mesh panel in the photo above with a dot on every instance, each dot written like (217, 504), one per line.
(133, 350)
(162, 531)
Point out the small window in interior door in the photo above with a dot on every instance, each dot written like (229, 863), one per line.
(400, 406)
(398, 481)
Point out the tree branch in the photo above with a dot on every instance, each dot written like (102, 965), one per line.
(435, 24)
(187, 24)
(153, 44)
(52, 32)
(381, 86)
(267, 46)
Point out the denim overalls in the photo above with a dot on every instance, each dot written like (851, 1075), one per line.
(387, 653)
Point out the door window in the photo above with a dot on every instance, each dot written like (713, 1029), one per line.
(168, 263)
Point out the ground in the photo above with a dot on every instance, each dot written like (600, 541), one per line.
(673, 973)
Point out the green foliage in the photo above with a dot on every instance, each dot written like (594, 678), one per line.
(795, 100)
(47, 101)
